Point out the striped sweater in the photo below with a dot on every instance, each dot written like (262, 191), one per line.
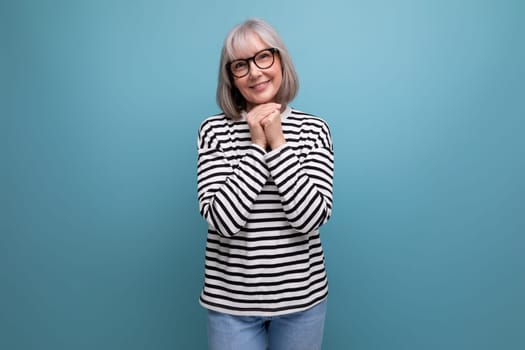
(264, 209)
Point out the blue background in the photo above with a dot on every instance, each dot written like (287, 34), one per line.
(101, 243)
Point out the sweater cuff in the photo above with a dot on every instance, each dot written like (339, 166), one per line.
(275, 153)
(258, 163)
(273, 157)
(258, 148)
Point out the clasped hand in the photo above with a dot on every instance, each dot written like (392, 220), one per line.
(264, 121)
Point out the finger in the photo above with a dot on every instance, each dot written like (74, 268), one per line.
(265, 108)
(273, 118)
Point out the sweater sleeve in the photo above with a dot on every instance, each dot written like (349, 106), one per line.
(226, 193)
(305, 186)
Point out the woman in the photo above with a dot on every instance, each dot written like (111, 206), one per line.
(265, 187)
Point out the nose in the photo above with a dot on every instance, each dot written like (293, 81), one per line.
(254, 70)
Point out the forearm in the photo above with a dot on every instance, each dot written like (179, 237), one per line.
(305, 188)
(226, 194)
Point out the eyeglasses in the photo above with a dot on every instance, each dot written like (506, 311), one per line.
(263, 60)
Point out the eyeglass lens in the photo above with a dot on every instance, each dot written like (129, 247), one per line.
(263, 60)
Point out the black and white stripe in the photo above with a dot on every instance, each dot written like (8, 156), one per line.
(264, 209)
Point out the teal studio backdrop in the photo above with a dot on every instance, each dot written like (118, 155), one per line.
(102, 245)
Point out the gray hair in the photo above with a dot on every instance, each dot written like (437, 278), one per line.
(229, 97)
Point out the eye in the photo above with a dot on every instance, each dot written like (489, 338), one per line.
(238, 65)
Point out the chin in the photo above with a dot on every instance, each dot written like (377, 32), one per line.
(262, 100)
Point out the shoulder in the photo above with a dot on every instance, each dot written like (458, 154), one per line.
(307, 119)
(209, 127)
(213, 121)
(219, 127)
(312, 125)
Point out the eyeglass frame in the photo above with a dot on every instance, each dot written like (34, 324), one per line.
(228, 65)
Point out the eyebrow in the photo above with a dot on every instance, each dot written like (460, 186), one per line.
(249, 57)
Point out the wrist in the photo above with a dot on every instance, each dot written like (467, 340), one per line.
(277, 143)
(260, 144)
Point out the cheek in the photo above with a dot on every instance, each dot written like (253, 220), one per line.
(279, 71)
(278, 76)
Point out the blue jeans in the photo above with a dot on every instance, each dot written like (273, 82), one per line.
(297, 331)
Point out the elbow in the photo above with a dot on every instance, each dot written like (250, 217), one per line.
(218, 224)
(313, 223)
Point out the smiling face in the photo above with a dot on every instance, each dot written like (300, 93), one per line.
(259, 85)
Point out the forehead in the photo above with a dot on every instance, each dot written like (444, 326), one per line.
(247, 45)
